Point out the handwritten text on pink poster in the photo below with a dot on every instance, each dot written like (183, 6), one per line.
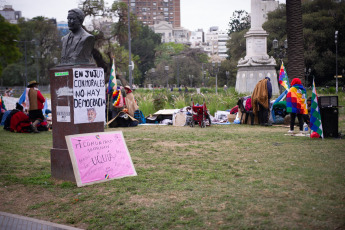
(101, 157)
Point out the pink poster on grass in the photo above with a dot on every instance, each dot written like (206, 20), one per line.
(98, 157)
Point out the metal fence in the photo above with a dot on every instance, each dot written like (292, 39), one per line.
(18, 90)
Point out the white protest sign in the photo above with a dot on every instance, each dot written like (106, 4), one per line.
(89, 95)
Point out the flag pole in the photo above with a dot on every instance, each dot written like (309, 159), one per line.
(107, 126)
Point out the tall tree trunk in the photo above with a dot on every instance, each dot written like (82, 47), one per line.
(295, 67)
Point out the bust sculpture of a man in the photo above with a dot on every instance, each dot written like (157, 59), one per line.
(77, 45)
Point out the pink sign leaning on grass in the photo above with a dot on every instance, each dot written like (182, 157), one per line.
(98, 157)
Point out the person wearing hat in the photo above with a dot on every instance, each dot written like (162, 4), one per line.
(35, 104)
(130, 102)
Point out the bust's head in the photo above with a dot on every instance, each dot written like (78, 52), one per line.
(75, 19)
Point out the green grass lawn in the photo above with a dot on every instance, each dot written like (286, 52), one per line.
(219, 177)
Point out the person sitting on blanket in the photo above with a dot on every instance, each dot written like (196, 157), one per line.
(130, 102)
(20, 122)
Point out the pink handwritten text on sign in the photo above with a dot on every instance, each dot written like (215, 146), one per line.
(101, 157)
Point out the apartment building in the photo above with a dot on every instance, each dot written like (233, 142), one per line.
(215, 42)
(151, 11)
(10, 14)
(197, 38)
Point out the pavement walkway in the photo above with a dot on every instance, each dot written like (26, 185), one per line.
(15, 222)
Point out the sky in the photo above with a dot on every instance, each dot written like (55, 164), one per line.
(195, 14)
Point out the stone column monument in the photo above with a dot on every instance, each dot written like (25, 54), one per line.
(256, 65)
(77, 90)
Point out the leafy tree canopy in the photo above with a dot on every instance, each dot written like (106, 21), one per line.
(9, 51)
(239, 21)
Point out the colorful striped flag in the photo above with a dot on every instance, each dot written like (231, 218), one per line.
(296, 100)
(315, 117)
(283, 77)
(112, 80)
(2, 104)
(45, 107)
(22, 97)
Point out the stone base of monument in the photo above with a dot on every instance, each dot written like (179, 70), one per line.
(62, 104)
(248, 76)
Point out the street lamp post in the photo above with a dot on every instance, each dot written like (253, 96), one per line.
(227, 77)
(343, 76)
(307, 73)
(216, 66)
(129, 47)
(336, 60)
(191, 80)
(282, 49)
(26, 63)
(167, 76)
(282, 52)
(152, 78)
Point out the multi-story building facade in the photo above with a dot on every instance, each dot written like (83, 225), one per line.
(10, 14)
(215, 42)
(150, 11)
(196, 38)
(62, 27)
(171, 34)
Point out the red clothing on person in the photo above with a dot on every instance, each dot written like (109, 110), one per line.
(20, 123)
(234, 110)
(248, 106)
(36, 99)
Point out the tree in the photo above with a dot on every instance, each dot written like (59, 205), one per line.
(119, 10)
(183, 62)
(320, 20)
(276, 29)
(42, 46)
(144, 46)
(294, 25)
(239, 21)
(9, 51)
(239, 25)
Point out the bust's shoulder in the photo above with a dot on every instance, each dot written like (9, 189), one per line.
(66, 36)
(85, 34)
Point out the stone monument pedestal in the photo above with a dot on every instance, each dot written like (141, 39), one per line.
(248, 76)
(62, 104)
(256, 65)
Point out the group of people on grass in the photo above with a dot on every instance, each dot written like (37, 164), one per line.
(259, 103)
(30, 119)
(122, 108)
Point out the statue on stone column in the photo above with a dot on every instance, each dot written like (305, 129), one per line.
(77, 45)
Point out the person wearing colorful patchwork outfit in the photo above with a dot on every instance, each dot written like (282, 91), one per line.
(296, 104)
